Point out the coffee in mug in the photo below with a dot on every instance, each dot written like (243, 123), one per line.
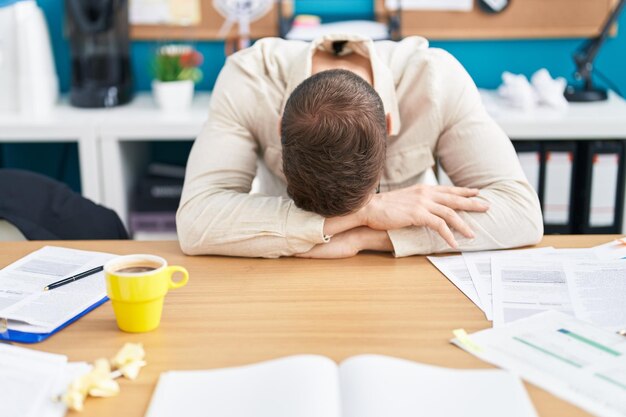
(136, 285)
(135, 269)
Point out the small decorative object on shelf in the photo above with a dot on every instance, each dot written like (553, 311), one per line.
(176, 70)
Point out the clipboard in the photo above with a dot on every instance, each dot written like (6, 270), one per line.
(29, 338)
(40, 268)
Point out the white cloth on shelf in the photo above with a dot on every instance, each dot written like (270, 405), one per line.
(542, 90)
(549, 90)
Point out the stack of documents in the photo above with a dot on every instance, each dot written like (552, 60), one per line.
(30, 314)
(570, 358)
(31, 382)
(509, 285)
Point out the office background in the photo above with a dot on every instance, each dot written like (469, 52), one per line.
(484, 60)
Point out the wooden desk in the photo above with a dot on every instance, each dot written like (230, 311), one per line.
(239, 311)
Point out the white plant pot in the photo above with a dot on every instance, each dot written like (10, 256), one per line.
(173, 96)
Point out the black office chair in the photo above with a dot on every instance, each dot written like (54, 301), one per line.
(44, 209)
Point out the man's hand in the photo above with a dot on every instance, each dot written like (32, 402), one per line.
(350, 243)
(432, 206)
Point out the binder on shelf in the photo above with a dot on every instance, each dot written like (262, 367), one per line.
(602, 187)
(557, 170)
(529, 155)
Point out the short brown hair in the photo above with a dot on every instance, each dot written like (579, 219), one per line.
(334, 138)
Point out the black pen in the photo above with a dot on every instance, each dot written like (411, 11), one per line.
(73, 278)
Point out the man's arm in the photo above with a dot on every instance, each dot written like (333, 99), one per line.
(350, 243)
(419, 205)
(476, 153)
(216, 214)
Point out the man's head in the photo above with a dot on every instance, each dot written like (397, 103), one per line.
(334, 137)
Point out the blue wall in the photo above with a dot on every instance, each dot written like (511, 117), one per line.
(485, 60)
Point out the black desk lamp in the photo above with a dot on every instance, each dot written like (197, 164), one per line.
(584, 57)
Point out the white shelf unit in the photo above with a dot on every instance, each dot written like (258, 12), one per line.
(62, 125)
(114, 144)
(581, 121)
(124, 139)
(605, 120)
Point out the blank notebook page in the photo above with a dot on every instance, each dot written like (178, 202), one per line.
(297, 386)
(378, 386)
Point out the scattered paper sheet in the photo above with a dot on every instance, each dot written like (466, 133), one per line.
(530, 284)
(455, 269)
(479, 267)
(30, 381)
(572, 359)
(610, 251)
(598, 292)
(27, 378)
(72, 371)
(523, 286)
(526, 286)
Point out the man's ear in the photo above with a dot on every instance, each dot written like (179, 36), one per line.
(388, 124)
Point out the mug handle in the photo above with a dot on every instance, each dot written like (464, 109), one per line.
(172, 270)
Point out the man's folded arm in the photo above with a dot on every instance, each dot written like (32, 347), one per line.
(217, 215)
(475, 153)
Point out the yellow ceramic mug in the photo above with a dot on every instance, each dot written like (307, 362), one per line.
(136, 285)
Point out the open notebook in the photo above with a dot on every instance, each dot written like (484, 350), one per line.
(28, 314)
(362, 386)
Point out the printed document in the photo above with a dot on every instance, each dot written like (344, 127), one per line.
(598, 292)
(610, 251)
(30, 380)
(479, 267)
(29, 308)
(526, 286)
(529, 281)
(523, 286)
(572, 359)
(27, 378)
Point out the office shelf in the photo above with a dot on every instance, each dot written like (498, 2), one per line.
(114, 144)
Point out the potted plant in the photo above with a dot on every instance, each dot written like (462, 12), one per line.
(176, 70)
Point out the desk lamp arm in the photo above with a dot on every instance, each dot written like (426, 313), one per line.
(586, 54)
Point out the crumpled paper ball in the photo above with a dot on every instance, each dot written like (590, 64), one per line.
(129, 360)
(100, 381)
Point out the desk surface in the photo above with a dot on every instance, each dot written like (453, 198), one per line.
(239, 311)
